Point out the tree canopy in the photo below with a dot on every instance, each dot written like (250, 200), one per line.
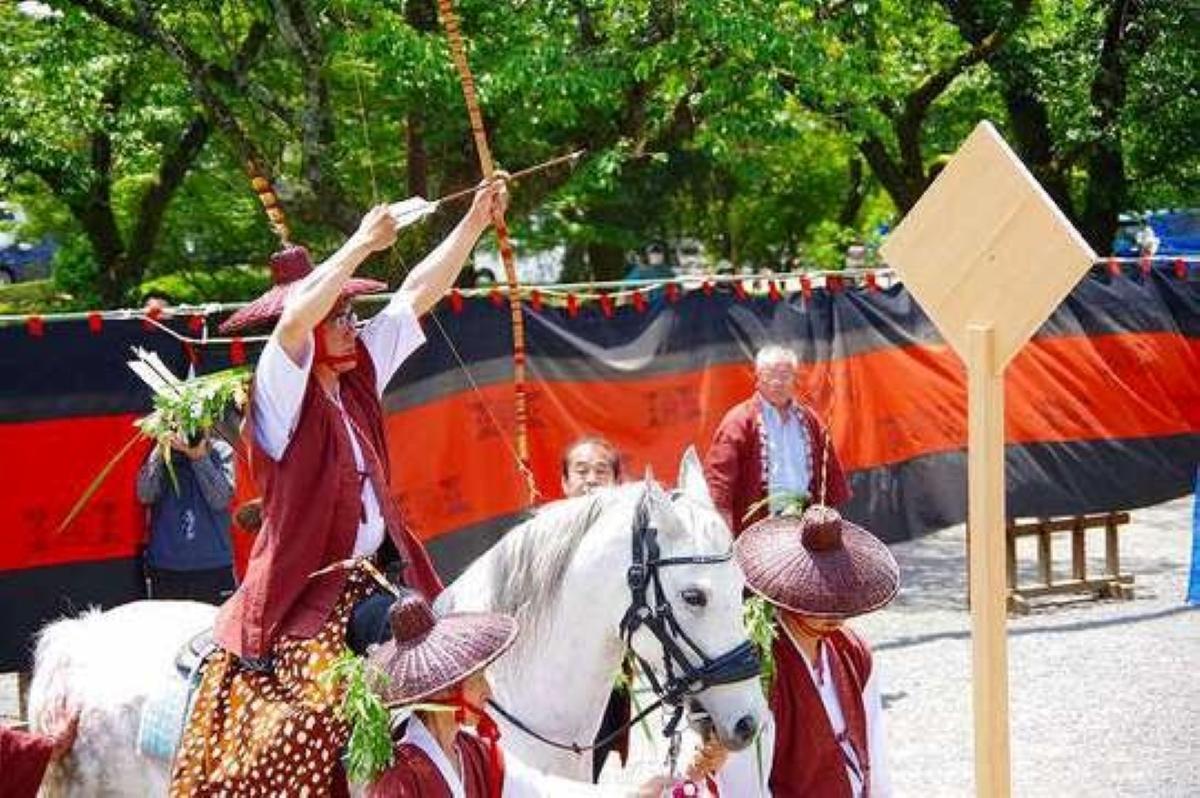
(773, 132)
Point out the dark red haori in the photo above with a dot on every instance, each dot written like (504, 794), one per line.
(414, 775)
(809, 762)
(312, 504)
(736, 467)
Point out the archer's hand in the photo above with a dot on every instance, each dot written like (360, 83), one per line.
(377, 230)
(491, 201)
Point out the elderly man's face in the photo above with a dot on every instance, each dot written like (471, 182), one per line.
(589, 466)
(776, 381)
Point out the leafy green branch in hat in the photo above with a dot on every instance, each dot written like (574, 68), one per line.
(789, 502)
(369, 750)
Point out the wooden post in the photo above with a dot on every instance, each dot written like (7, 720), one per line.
(988, 256)
(1045, 545)
(1112, 550)
(985, 486)
(1079, 551)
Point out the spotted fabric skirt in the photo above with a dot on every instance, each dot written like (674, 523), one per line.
(270, 734)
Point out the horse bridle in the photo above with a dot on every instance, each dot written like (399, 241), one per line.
(683, 677)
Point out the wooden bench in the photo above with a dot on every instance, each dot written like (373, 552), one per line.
(1110, 584)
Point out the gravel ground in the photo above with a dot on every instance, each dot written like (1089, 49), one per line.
(1104, 695)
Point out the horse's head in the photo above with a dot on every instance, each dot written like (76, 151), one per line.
(686, 617)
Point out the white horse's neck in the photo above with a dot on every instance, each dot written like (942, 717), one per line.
(558, 677)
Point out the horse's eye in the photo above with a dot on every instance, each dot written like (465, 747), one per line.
(695, 597)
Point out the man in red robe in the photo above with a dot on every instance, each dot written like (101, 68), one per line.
(826, 737)
(25, 756)
(771, 448)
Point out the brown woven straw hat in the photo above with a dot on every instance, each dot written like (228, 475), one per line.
(428, 654)
(819, 564)
(287, 267)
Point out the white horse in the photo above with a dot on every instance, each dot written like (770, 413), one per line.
(563, 573)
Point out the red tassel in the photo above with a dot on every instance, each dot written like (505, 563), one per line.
(773, 291)
(572, 306)
(639, 302)
(535, 300)
(152, 314)
(95, 322)
(456, 300)
(196, 323)
(1144, 264)
(496, 297)
(806, 287)
(193, 354)
(707, 288)
(606, 305)
(872, 284)
(1114, 267)
(1180, 269)
(36, 326)
(672, 292)
(237, 352)
(739, 289)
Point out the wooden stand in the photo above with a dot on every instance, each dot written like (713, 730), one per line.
(1110, 584)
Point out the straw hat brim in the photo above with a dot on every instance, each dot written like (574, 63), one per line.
(858, 577)
(457, 646)
(269, 306)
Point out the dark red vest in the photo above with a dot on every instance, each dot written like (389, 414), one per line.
(735, 465)
(312, 505)
(414, 775)
(809, 762)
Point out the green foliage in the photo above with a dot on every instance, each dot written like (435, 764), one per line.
(369, 751)
(195, 406)
(762, 628)
(776, 133)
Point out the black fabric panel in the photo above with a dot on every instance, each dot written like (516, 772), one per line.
(906, 500)
(29, 599)
(452, 553)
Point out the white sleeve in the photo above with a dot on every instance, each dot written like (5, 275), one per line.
(279, 385)
(523, 781)
(881, 775)
(748, 772)
(390, 337)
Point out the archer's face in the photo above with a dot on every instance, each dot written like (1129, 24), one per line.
(338, 332)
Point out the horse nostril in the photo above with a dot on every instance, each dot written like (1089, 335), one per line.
(745, 728)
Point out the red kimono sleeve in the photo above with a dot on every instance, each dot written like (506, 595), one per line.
(23, 762)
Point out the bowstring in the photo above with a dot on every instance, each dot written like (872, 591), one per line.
(522, 468)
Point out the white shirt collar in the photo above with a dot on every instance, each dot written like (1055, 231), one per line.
(416, 734)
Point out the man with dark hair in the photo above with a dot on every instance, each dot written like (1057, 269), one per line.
(589, 463)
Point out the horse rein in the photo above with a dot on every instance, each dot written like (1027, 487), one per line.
(735, 665)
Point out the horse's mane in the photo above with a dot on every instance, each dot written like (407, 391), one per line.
(531, 561)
